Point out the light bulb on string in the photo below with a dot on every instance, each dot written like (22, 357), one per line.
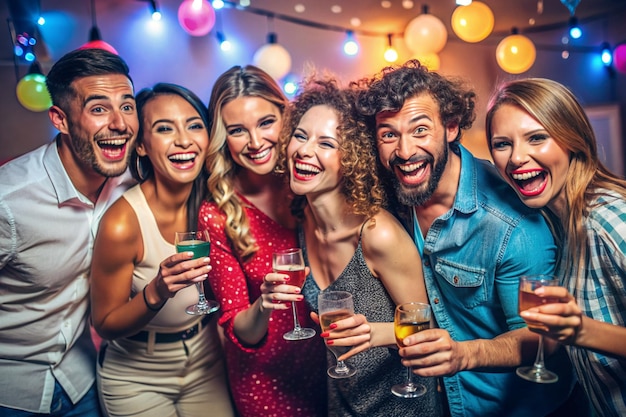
(391, 55)
(606, 54)
(350, 46)
(154, 10)
(273, 58)
(575, 32)
(32, 92)
(225, 44)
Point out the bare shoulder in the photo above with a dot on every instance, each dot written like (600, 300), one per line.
(383, 233)
(119, 225)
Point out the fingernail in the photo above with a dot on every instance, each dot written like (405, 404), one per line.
(301, 298)
(325, 334)
(297, 290)
(286, 279)
(330, 342)
(332, 326)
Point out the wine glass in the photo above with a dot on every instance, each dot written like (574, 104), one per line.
(527, 299)
(410, 318)
(290, 262)
(334, 306)
(199, 243)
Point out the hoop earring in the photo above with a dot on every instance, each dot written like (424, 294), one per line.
(139, 169)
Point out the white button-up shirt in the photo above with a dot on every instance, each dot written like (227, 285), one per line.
(47, 231)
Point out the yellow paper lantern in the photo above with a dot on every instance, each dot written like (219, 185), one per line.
(429, 60)
(424, 34)
(516, 54)
(472, 23)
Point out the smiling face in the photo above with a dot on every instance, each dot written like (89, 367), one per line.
(252, 128)
(313, 153)
(101, 123)
(174, 138)
(413, 144)
(528, 158)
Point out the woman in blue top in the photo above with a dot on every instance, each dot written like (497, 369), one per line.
(543, 145)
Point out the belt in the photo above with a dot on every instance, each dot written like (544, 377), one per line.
(186, 334)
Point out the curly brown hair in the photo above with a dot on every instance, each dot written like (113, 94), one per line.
(360, 184)
(389, 89)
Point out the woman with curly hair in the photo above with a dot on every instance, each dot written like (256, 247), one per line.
(247, 215)
(352, 244)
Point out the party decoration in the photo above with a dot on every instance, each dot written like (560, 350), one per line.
(516, 54)
(196, 17)
(619, 58)
(473, 23)
(571, 5)
(32, 93)
(99, 44)
(424, 34)
(273, 58)
(430, 60)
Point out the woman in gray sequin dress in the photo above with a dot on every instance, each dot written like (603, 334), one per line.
(352, 244)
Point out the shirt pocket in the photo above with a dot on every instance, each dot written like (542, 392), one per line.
(465, 283)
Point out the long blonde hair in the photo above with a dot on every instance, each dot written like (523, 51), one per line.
(559, 112)
(236, 82)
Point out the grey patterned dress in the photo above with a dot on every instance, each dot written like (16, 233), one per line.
(367, 393)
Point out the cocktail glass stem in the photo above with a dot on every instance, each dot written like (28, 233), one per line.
(202, 302)
(296, 322)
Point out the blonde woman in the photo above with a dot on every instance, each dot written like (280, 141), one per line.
(247, 215)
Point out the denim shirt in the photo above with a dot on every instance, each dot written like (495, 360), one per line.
(473, 257)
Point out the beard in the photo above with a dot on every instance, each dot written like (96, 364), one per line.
(85, 153)
(421, 193)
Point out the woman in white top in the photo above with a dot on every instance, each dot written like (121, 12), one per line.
(157, 360)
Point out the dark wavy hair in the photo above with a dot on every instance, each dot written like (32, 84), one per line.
(141, 167)
(360, 184)
(77, 64)
(389, 89)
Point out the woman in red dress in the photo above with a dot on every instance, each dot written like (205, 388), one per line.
(248, 217)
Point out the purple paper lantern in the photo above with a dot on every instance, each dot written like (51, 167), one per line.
(196, 17)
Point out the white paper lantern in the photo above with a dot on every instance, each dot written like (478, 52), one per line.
(424, 34)
(273, 58)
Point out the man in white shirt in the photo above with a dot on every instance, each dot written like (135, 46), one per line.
(51, 200)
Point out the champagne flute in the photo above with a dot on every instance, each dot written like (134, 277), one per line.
(291, 262)
(527, 299)
(199, 243)
(410, 318)
(334, 306)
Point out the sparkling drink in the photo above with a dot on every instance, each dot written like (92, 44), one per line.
(295, 272)
(402, 330)
(329, 318)
(199, 248)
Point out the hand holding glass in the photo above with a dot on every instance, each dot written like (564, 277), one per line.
(527, 299)
(291, 262)
(199, 243)
(334, 306)
(410, 318)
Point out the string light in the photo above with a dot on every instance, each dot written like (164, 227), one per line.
(606, 55)
(350, 46)
(391, 55)
(574, 30)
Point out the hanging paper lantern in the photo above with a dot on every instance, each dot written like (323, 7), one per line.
(99, 44)
(425, 34)
(196, 17)
(516, 54)
(619, 58)
(430, 60)
(472, 23)
(273, 58)
(32, 92)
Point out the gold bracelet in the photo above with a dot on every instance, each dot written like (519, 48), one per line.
(145, 299)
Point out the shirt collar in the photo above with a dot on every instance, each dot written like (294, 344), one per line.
(466, 200)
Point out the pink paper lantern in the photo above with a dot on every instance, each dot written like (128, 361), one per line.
(619, 58)
(99, 44)
(196, 17)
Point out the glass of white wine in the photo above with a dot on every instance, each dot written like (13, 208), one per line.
(199, 243)
(410, 318)
(334, 306)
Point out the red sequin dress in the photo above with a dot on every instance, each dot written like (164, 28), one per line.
(275, 377)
